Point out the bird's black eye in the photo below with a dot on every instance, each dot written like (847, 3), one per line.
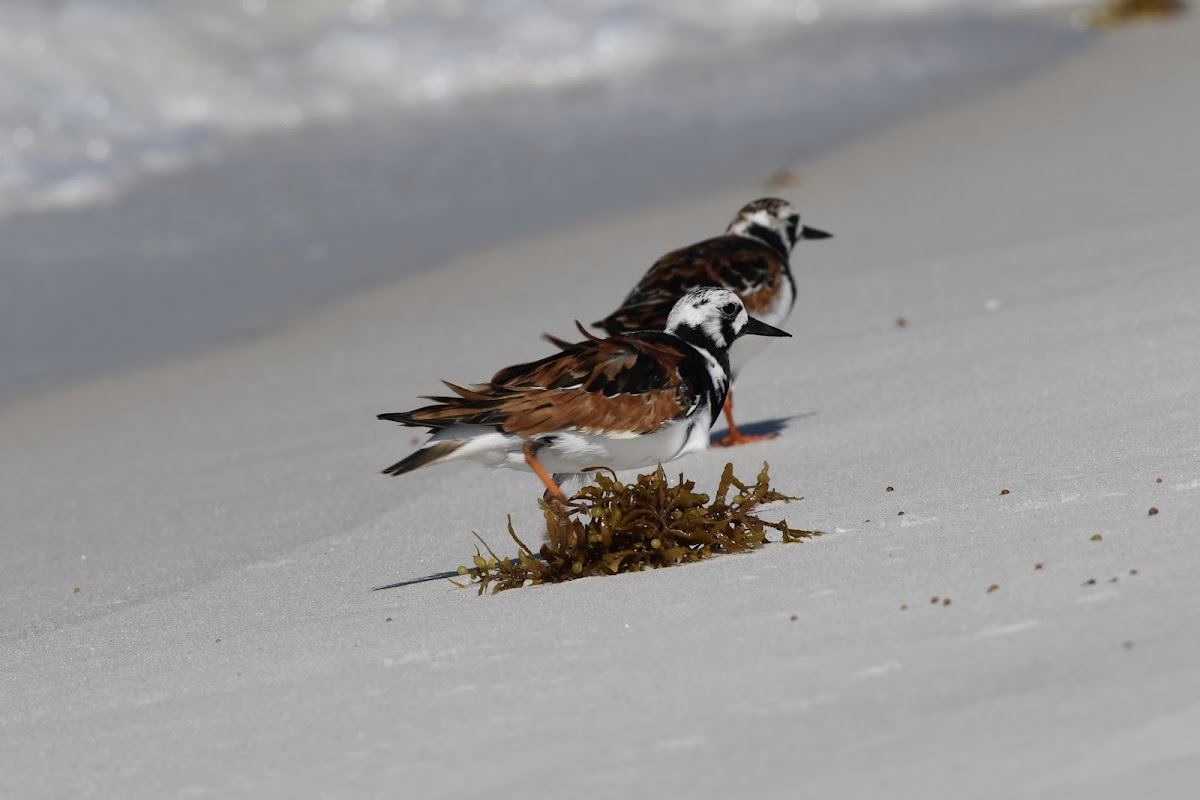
(729, 309)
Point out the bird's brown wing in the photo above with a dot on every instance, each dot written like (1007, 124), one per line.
(749, 268)
(629, 385)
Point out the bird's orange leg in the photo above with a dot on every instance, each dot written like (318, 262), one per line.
(553, 488)
(736, 437)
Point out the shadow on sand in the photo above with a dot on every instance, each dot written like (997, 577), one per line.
(766, 427)
(437, 576)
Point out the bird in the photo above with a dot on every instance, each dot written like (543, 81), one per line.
(623, 402)
(751, 258)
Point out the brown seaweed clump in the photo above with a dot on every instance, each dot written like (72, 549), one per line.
(1114, 13)
(610, 527)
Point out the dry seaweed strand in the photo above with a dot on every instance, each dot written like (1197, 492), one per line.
(1114, 13)
(610, 527)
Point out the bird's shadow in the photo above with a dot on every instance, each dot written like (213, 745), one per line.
(765, 427)
(437, 576)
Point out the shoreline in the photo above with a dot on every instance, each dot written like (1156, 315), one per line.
(259, 238)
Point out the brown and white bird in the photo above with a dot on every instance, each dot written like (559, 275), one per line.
(751, 259)
(629, 401)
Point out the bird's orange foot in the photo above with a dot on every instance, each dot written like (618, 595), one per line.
(735, 438)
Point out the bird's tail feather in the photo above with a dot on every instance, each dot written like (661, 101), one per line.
(430, 454)
(564, 344)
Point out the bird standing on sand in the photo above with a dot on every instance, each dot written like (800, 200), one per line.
(751, 259)
(625, 402)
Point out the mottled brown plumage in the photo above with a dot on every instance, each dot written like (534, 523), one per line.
(625, 402)
(750, 259)
(623, 385)
(749, 268)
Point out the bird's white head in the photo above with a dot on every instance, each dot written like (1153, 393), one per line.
(775, 223)
(714, 319)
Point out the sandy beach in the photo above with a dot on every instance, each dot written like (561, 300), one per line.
(190, 547)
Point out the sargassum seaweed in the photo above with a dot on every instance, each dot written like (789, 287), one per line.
(610, 527)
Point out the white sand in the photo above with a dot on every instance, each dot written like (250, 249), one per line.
(1042, 243)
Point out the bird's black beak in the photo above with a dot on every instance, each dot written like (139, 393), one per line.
(814, 233)
(757, 327)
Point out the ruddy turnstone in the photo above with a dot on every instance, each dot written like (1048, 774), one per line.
(625, 402)
(751, 259)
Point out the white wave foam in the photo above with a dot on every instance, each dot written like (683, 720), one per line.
(95, 94)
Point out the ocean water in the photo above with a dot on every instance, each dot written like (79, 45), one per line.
(175, 174)
(98, 95)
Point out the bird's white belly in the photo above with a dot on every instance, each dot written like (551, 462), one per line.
(573, 451)
(747, 347)
(743, 350)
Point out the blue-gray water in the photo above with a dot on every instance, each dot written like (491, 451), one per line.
(279, 222)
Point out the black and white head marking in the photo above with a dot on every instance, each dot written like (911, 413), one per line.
(711, 319)
(774, 222)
